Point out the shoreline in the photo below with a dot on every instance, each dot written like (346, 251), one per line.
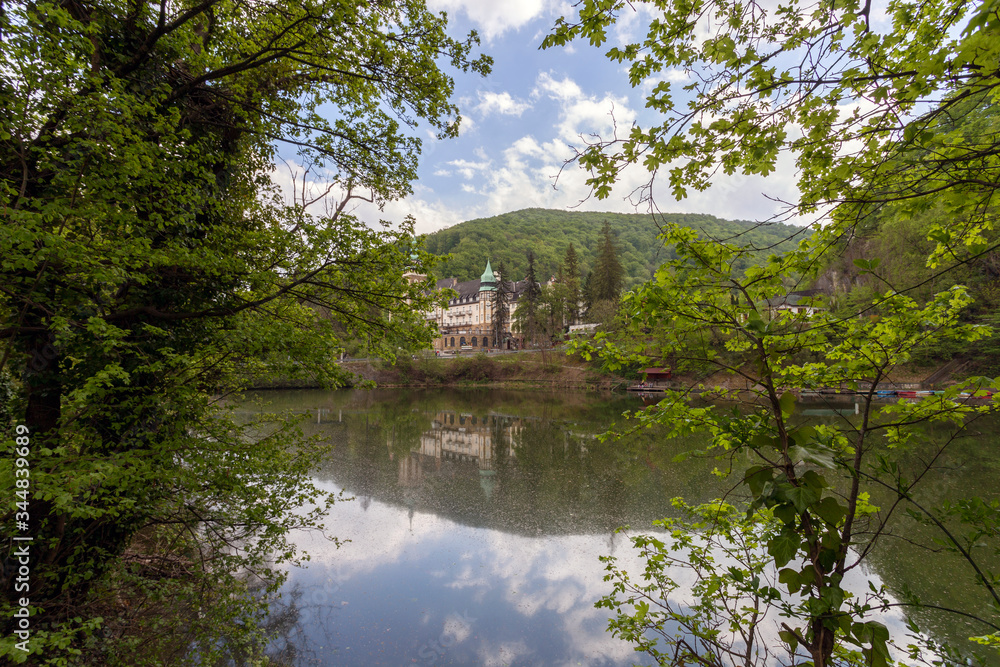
(555, 370)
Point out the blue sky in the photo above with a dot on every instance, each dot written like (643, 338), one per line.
(519, 125)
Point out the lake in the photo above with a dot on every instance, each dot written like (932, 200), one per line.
(478, 518)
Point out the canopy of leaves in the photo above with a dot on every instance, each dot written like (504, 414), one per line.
(148, 265)
(866, 107)
(877, 111)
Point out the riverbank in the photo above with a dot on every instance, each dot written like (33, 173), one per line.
(553, 369)
(526, 369)
(550, 369)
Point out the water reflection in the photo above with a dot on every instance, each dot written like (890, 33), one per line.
(476, 527)
(475, 531)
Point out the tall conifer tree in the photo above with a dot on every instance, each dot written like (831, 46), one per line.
(527, 314)
(607, 278)
(501, 307)
(571, 280)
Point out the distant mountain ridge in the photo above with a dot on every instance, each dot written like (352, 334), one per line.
(548, 233)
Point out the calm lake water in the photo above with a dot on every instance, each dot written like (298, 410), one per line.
(477, 520)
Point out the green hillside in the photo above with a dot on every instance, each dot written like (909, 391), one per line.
(547, 233)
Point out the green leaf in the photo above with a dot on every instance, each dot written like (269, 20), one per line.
(791, 578)
(801, 497)
(756, 477)
(790, 639)
(783, 547)
(829, 510)
(787, 403)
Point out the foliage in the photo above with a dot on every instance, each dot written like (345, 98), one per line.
(549, 233)
(605, 281)
(558, 304)
(812, 479)
(500, 303)
(149, 266)
(876, 112)
(553, 313)
(900, 244)
(606, 278)
(569, 277)
(792, 80)
(430, 371)
(527, 317)
(727, 607)
(8, 394)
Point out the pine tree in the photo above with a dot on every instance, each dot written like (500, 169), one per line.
(527, 314)
(608, 276)
(532, 291)
(571, 280)
(501, 307)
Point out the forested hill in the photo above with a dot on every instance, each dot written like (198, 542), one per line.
(547, 233)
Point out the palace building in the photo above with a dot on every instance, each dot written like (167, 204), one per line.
(467, 321)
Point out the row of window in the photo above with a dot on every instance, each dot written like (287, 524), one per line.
(461, 341)
(450, 419)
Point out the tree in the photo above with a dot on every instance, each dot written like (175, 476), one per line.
(527, 316)
(608, 276)
(500, 303)
(545, 231)
(871, 120)
(769, 83)
(808, 487)
(571, 279)
(605, 281)
(149, 266)
(552, 315)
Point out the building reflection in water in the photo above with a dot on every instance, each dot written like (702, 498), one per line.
(461, 437)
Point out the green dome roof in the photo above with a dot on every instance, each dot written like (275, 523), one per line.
(487, 282)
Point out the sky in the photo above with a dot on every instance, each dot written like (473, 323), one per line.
(519, 126)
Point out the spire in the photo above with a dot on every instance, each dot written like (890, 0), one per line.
(487, 282)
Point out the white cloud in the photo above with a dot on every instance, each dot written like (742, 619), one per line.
(501, 654)
(582, 115)
(500, 103)
(464, 127)
(469, 169)
(493, 18)
(566, 89)
(430, 213)
(457, 628)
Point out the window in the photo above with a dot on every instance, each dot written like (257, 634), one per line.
(473, 342)
(462, 341)
(486, 342)
(453, 341)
